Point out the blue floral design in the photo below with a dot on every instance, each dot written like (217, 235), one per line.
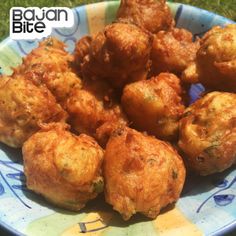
(2, 191)
(224, 199)
(220, 183)
(221, 199)
(19, 175)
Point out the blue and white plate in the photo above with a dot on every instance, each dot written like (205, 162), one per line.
(207, 205)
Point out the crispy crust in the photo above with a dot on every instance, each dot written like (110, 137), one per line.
(64, 168)
(208, 133)
(155, 105)
(142, 174)
(119, 54)
(151, 15)
(24, 107)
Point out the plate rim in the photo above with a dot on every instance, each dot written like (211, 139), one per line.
(223, 230)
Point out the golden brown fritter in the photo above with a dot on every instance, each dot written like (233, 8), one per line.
(93, 106)
(49, 64)
(90, 104)
(142, 174)
(208, 133)
(155, 105)
(119, 54)
(152, 15)
(172, 51)
(104, 131)
(23, 107)
(64, 168)
(215, 64)
(82, 49)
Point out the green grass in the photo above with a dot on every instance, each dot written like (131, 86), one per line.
(222, 7)
(226, 8)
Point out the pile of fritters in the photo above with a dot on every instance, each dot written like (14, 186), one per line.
(112, 116)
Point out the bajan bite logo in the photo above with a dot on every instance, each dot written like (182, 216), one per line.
(36, 23)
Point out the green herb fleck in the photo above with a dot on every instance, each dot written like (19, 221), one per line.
(49, 43)
(210, 151)
(98, 185)
(174, 174)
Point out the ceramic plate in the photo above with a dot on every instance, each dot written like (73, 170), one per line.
(207, 205)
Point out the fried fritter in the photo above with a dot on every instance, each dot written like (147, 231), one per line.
(23, 107)
(82, 49)
(172, 51)
(155, 105)
(50, 64)
(89, 103)
(142, 174)
(152, 15)
(119, 54)
(215, 64)
(64, 168)
(93, 106)
(208, 133)
(104, 131)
